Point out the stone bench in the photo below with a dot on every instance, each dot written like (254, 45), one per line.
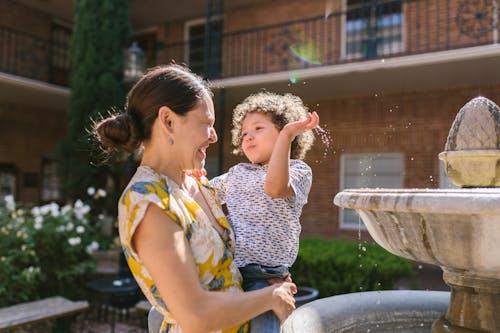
(37, 311)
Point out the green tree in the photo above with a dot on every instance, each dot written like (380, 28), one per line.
(101, 33)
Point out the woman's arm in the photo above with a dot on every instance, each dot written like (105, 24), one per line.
(162, 247)
(277, 183)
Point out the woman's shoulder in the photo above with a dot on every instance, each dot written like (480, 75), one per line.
(144, 183)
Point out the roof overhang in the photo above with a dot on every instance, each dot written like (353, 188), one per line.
(453, 68)
(22, 91)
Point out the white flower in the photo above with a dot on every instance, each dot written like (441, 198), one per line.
(91, 191)
(38, 222)
(80, 229)
(101, 193)
(78, 203)
(54, 209)
(45, 209)
(20, 212)
(74, 241)
(92, 247)
(65, 209)
(35, 211)
(61, 228)
(69, 226)
(10, 203)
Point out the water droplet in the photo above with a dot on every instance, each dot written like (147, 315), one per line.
(420, 266)
(412, 158)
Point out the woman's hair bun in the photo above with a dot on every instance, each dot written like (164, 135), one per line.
(118, 133)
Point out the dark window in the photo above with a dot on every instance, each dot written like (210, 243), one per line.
(8, 181)
(60, 54)
(50, 181)
(373, 28)
(204, 50)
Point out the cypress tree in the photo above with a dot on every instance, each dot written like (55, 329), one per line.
(101, 34)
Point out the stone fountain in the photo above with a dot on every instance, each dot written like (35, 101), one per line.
(458, 230)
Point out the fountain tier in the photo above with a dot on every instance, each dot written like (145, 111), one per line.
(455, 229)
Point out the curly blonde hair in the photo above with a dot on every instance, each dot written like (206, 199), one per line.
(283, 109)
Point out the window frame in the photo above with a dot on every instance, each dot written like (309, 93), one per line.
(343, 225)
(364, 55)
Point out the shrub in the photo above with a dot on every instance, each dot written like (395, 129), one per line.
(339, 267)
(47, 250)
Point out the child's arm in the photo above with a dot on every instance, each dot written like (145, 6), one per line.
(277, 183)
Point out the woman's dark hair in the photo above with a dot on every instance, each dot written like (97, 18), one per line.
(172, 85)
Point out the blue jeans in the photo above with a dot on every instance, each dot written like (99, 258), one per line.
(266, 322)
(255, 277)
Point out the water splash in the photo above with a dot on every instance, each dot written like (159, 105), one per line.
(325, 137)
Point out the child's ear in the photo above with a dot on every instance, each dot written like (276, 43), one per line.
(166, 118)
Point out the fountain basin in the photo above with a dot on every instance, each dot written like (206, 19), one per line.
(402, 311)
(455, 229)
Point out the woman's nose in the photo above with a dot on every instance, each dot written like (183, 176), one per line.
(213, 136)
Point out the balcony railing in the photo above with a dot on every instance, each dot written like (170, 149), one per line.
(29, 56)
(364, 31)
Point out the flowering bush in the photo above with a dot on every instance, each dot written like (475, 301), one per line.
(47, 250)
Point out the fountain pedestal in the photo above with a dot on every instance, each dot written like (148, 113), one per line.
(474, 304)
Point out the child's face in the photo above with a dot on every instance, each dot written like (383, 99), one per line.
(259, 134)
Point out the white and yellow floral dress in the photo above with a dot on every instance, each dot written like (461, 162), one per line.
(212, 254)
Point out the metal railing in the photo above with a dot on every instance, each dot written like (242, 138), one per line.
(369, 30)
(32, 57)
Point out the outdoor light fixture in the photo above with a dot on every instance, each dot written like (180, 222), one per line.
(134, 63)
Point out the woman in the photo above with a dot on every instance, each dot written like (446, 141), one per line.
(176, 238)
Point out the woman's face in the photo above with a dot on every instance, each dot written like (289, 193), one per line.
(196, 133)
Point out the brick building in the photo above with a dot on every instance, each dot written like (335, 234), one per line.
(387, 78)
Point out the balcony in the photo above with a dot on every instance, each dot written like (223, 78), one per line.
(366, 30)
(31, 57)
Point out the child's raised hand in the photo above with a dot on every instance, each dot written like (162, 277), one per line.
(297, 127)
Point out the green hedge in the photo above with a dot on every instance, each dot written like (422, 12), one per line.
(339, 267)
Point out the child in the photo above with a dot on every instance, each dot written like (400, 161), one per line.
(265, 197)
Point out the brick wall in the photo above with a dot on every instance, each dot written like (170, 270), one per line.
(415, 124)
(27, 135)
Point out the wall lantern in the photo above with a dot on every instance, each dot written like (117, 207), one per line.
(134, 63)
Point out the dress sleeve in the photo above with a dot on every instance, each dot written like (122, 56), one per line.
(134, 203)
(300, 180)
(219, 184)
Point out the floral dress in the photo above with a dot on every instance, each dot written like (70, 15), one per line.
(212, 254)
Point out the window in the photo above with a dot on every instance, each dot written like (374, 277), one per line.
(373, 28)
(368, 171)
(60, 54)
(7, 182)
(50, 181)
(204, 56)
